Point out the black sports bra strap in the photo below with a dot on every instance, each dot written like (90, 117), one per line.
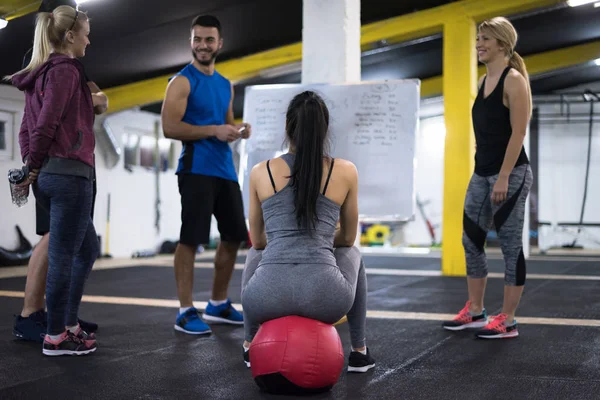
(328, 176)
(271, 176)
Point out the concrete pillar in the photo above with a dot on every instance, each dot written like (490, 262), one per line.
(331, 44)
(331, 41)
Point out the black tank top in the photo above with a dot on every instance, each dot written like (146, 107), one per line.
(491, 123)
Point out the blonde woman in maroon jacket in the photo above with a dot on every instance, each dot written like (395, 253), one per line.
(59, 117)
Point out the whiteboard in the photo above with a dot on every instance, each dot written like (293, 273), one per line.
(372, 124)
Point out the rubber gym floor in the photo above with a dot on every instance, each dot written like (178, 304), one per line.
(140, 356)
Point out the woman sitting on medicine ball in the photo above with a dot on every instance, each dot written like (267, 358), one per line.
(299, 263)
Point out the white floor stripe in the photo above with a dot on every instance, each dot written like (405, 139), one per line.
(561, 258)
(418, 316)
(19, 272)
(443, 317)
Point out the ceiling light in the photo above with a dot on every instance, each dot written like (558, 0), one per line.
(81, 1)
(3, 23)
(597, 61)
(597, 4)
(575, 3)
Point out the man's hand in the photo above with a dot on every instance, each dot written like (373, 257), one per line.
(100, 100)
(227, 133)
(247, 132)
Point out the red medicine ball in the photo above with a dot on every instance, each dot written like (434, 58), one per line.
(296, 355)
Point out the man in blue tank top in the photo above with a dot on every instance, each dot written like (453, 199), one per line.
(198, 110)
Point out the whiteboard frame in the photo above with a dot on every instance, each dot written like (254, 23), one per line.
(243, 157)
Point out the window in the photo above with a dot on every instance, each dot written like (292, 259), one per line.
(141, 151)
(147, 152)
(6, 135)
(2, 135)
(166, 148)
(131, 142)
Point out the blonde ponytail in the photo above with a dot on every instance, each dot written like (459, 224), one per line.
(50, 33)
(42, 47)
(517, 62)
(41, 42)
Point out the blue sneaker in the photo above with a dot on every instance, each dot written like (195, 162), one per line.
(32, 328)
(223, 313)
(190, 322)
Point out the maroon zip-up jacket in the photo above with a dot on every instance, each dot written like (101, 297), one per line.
(57, 132)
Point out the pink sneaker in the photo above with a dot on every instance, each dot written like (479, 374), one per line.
(497, 329)
(464, 320)
(68, 344)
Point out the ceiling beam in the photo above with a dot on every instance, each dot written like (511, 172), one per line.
(12, 9)
(401, 28)
(153, 90)
(536, 64)
(426, 22)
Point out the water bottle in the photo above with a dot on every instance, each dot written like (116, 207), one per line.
(19, 187)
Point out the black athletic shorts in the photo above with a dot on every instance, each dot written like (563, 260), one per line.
(201, 197)
(42, 215)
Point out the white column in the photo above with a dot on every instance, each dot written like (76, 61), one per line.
(331, 41)
(331, 44)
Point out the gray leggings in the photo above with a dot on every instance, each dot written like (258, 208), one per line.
(322, 292)
(507, 217)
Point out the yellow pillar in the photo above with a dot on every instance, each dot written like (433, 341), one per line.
(460, 89)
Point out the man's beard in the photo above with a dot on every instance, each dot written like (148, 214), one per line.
(205, 62)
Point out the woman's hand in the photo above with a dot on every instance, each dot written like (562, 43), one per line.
(33, 174)
(500, 190)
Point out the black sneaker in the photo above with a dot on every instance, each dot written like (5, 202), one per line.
(83, 335)
(89, 327)
(68, 345)
(246, 356)
(32, 328)
(359, 362)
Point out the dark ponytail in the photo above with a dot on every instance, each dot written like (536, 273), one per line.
(307, 124)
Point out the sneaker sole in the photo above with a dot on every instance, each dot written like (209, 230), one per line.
(360, 369)
(180, 329)
(20, 336)
(467, 326)
(223, 320)
(67, 352)
(500, 336)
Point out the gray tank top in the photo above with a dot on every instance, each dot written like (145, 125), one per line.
(286, 243)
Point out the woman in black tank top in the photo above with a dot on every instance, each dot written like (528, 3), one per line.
(499, 187)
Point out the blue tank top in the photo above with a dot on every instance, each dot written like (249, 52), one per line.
(208, 103)
(286, 244)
